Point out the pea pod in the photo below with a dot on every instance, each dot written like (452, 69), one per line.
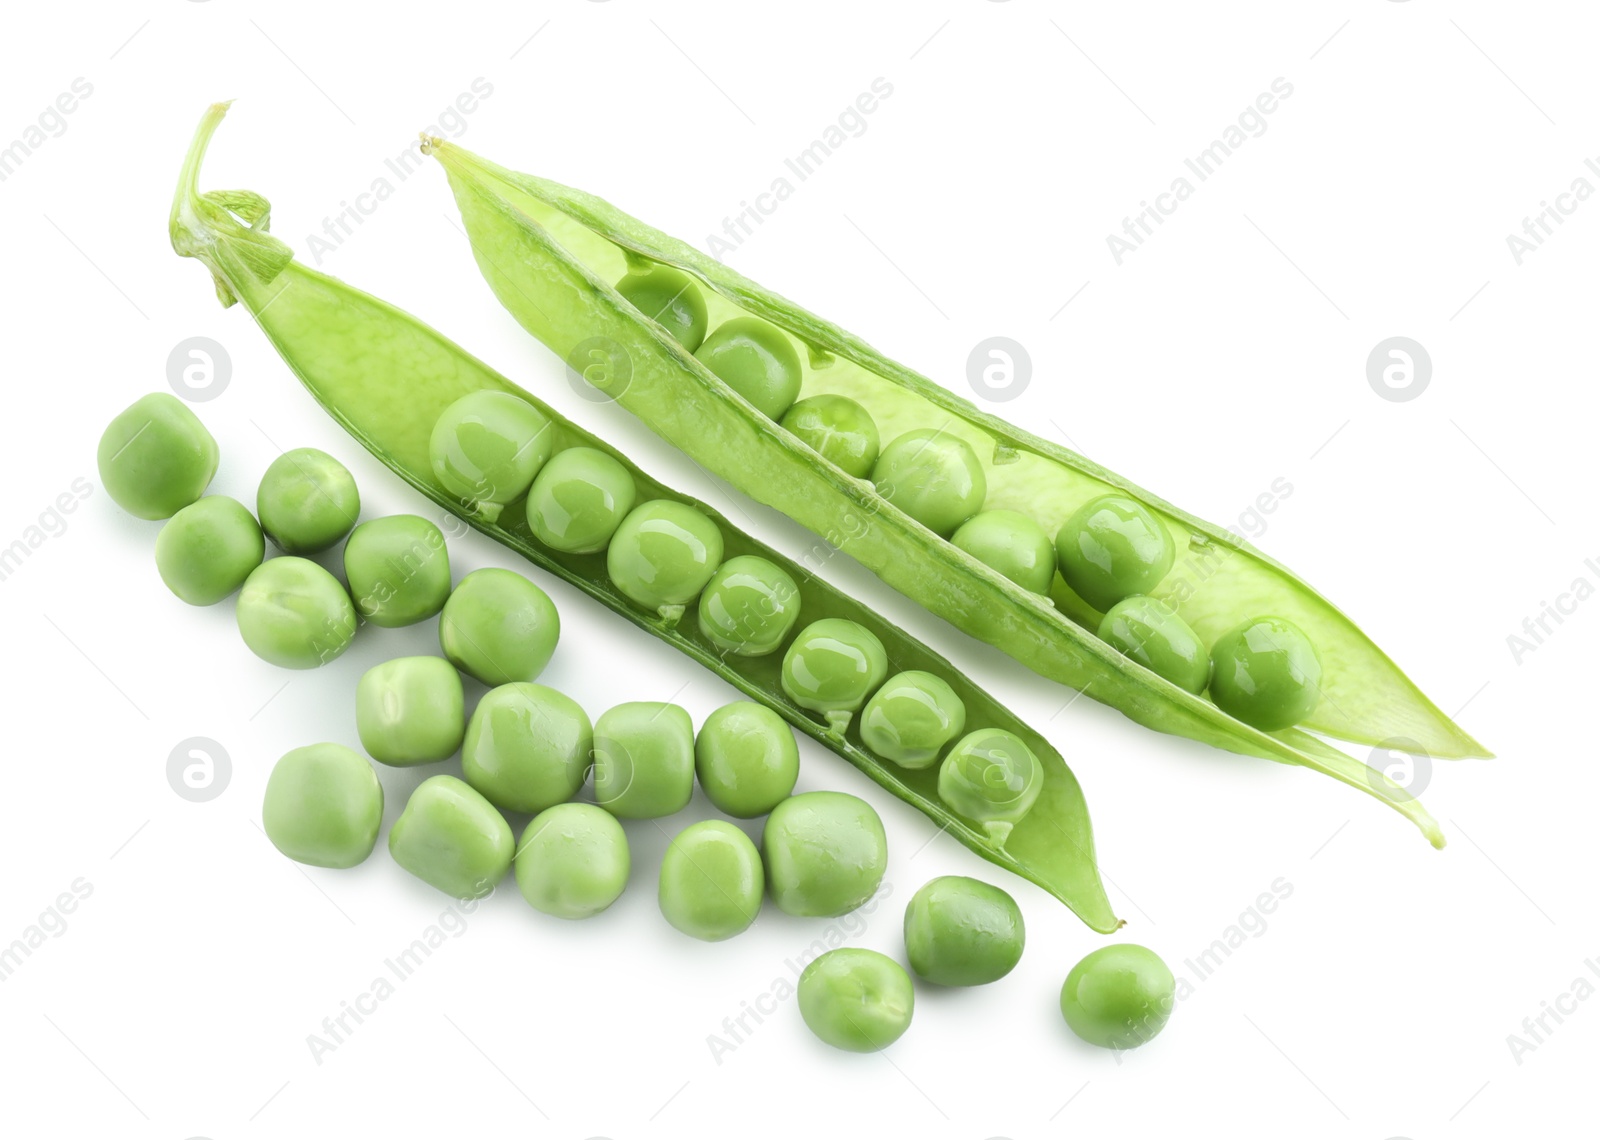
(551, 254)
(386, 377)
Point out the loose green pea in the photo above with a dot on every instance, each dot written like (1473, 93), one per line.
(912, 718)
(207, 550)
(1149, 631)
(933, 477)
(663, 555)
(1012, 544)
(323, 806)
(711, 881)
(579, 499)
(499, 627)
(643, 760)
(831, 668)
(294, 614)
(1118, 997)
(1113, 548)
(838, 429)
(992, 778)
(756, 360)
(527, 747)
(825, 853)
(746, 758)
(399, 570)
(156, 457)
(307, 501)
(856, 999)
(486, 448)
(1266, 673)
(749, 606)
(573, 861)
(962, 932)
(452, 838)
(410, 711)
(671, 299)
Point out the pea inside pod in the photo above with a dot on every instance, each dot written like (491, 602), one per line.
(838, 429)
(1150, 632)
(912, 718)
(671, 299)
(756, 360)
(831, 667)
(487, 447)
(932, 476)
(1112, 548)
(992, 778)
(662, 556)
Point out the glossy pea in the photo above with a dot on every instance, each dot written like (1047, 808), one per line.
(498, 627)
(579, 499)
(932, 476)
(671, 299)
(711, 881)
(1011, 544)
(307, 501)
(756, 360)
(1118, 997)
(749, 606)
(825, 853)
(156, 457)
(399, 570)
(527, 747)
(746, 758)
(992, 778)
(1149, 631)
(323, 806)
(1113, 548)
(831, 667)
(410, 711)
(838, 429)
(643, 760)
(572, 861)
(962, 932)
(452, 838)
(207, 550)
(911, 718)
(486, 448)
(1266, 673)
(663, 555)
(856, 999)
(294, 614)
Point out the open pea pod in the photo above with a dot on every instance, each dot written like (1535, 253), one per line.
(553, 256)
(386, 377)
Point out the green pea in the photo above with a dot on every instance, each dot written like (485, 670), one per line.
(498, 627)
(992, 778)
(486, 448)
(208, 549)
(746, 758)
(838, 429)
(527, 747)
(643, 760)
(399, 570)
(856, 999)
(663, 555)
(933, 477)
(156, 457)
(410, 711)
(578, 500)
(1012, 544)
(323, 806)
(912, 718)
(756, 360)
(452, 838)
(962, 932)
(1150, 632)
(711, 881)
(825, 853)
(307, 501)
(749, 606)
(671, 299)
(1266, 673)
(573, 861)
(294, 614)
(1118, 997)
(1113, 548)
(831, 668)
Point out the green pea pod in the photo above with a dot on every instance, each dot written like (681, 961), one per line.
(386, 377)
(551, 255)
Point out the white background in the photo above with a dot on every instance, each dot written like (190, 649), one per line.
(1228, 352)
